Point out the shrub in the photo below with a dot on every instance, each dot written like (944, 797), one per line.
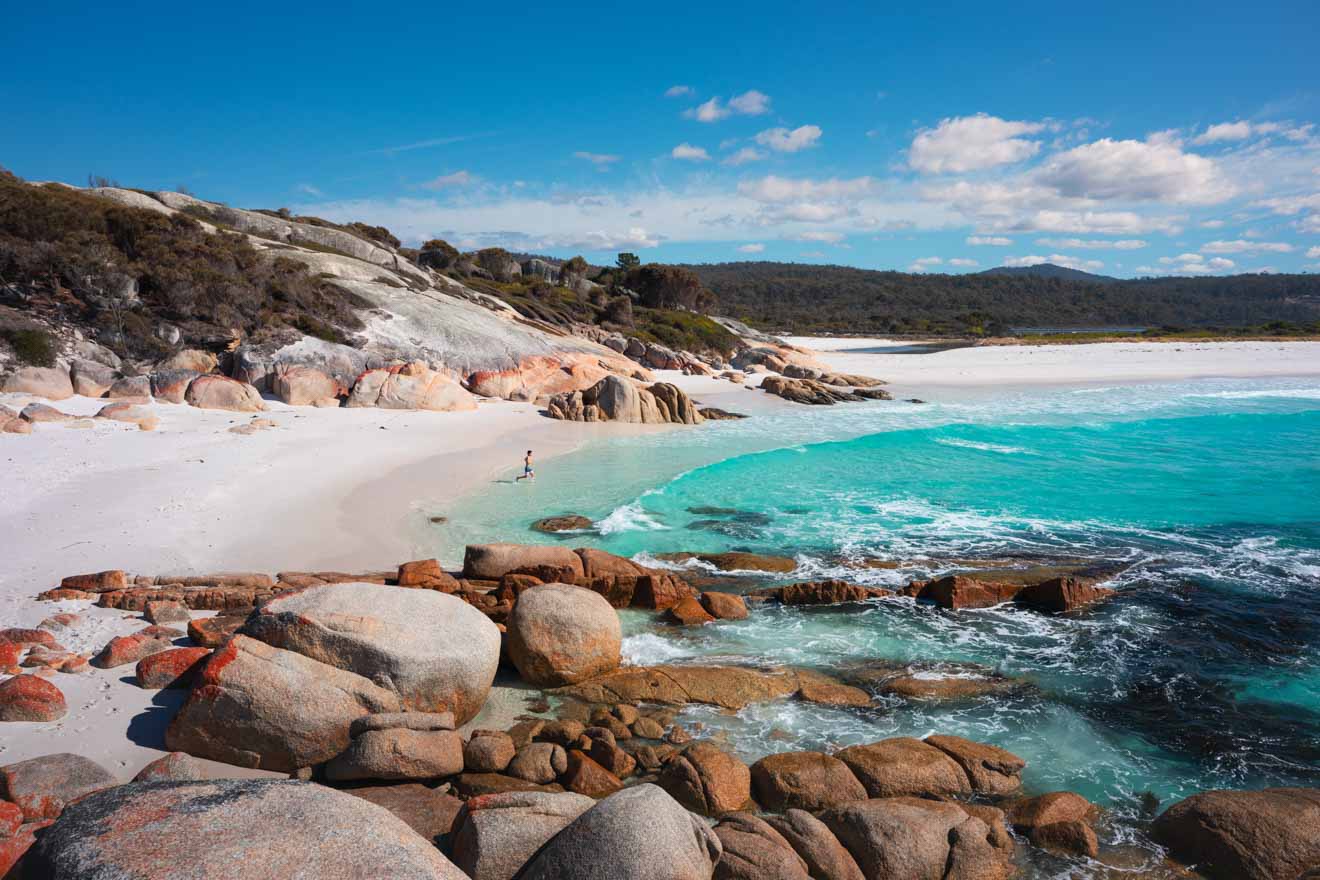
(669, 287)
(31, 346)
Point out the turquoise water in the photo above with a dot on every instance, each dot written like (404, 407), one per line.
(1204, 672)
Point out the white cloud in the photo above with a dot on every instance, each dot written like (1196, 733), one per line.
(1313, 253)
(1310, 223)
(458, 178)
(1190, 264)
(783, 140)
(773, 188)
(1242, 246)
(1224, 131)
(754, 248)
(710, 111)
(995, 240)
(745, 155)
(1289, 205)
(921, 264)
(600, 160)
(310, 190)
(969, 143)
(812, 254)
(690, 153)
(1126, 244)
(1057, 259)
(1136, 171)
(1212, 224)
(678, 91)
(816, 235)
(749, 103)
(964, 262)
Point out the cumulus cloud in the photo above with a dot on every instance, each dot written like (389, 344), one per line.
(1068, 262)
(970, 143)
(678, 91)
(1242, 246)
(743, 156)
(749, 103)
(963, 262)
(600, 160)
(445, 181)
(783, 140)
(754, 248)
(1212, 224)
(921, 264)
(1021, 205)
(1310, 223)
(690, 153)
(1136, 171)
(995, 240)
(1289, 205)
(1224, 131)
(1313, 253)
(1124, 244)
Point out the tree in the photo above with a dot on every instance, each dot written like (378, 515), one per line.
(619, 311)
(576, 266)
(628, 261)
(669, 287)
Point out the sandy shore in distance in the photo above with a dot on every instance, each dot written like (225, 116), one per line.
(354, 490)
(1066, 364)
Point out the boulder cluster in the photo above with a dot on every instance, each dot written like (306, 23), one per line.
(362, 688)
(616, 399)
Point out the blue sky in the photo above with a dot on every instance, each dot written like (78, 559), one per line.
(1136, 139)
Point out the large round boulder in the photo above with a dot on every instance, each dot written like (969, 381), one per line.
(435, 651)
(221, 392)
(258, 829)
(257, 706)
(559, 634)
(707, 780)
(1245, 835)
(52, 383)
(640, 833)
(905, 766)
(494, 561)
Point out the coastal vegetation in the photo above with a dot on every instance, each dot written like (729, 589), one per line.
(806, 298)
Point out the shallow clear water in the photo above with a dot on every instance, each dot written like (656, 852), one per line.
(1204, 672)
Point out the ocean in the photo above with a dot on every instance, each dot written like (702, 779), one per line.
(1203, 672)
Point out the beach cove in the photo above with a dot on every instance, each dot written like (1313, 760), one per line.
(1104, 703)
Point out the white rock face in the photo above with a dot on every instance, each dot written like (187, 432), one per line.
(435, 651)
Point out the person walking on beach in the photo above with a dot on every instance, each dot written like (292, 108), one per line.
(528, 473)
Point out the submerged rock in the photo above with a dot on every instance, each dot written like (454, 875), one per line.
(733, 561)
(565, 523)
(821, 593)
(731, 687)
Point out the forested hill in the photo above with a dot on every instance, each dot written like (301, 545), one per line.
(810, 298)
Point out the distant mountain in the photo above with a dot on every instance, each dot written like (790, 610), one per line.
(1050, 270)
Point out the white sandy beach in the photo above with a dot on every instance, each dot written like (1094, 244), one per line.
(342, 489)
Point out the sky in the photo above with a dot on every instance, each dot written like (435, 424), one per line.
(1125, 139)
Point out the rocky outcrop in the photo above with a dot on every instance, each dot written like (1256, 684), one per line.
(1246, 835)
(173, 767)
(805, 781)
(493, 561)
(496, 834)
(616, 399)
(821, 593)
(991, 770)
(52, 383)
(815, 844)
(899, 838)
(42, 787)
(753, 850)
(435, 651)
(904, 766)
(399, 746)
(254, 705)
(563, 523)
(640, 833)
(560, 634)
(91, 379)
(259, 829)
(707, 780)
(410, 386)
(221, 392)
(815, 393)
(1060, 821)
(305, 386)
(730, 687)
(724, 606)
